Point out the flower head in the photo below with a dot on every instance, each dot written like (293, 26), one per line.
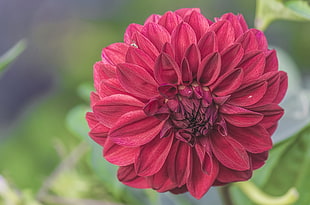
(186, 103)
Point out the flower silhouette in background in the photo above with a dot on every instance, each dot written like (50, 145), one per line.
(186, 103)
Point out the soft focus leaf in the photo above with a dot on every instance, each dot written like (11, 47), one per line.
(288, 166)
(84, 91)
(269, 10)
(11, 54)
(76, 121)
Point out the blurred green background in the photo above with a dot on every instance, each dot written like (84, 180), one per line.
(64, 39)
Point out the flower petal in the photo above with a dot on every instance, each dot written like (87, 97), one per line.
(235, 22)
(114, 53)
(128, 176)
(227, 175)
(131, 29)
(135, 129)
(228, 83)
(140, 58)
(209, 69)
(282, 87)
(193, 56)
(224, 32)
(157, 34)
(199, 182)
(248, 41)
(231, 57)
(240, 117)
(272, 113)
(208, 44)
(271, 61)
(110, 87)
(136, 80)
(253, 65)
(198, 22)
(111, 108)
(255, 139)
(181, 38)
(153, 155)
(258, 160)
(170, 20)
(145, 44)
(103, 71)
(230, 153)
(184, 12)
(154, 18)
(166, 70)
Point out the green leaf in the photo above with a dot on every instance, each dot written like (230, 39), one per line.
(84, 91)
(11, 54)
(268, 11)
(288, 166)
(76, 121)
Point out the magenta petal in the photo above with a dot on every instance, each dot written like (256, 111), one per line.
(178, 162)
(145, 44)
(258, 160)
(111, 108)
(160, 181)
(198, 182)
(186, 72)
(208, 44)
(282, 87)
(153, 155)
(272, 113)
(181, 38)
(240, 117)
(224, 32)
(231, 57)
(99, 133)
(253, 65)
(230, 153)
(119, 155)
(249, 94)
(248, 41)
(168, 91)
(154, 18)
(110, 87)
(131, 29)
(128, 176)
(193, 56)
(235, 22)
(198, 22)
(184, 12)
(137, 81)
(140, 58)
(261, 39)
(254, 139)
(114, 53)
(170, 20)
(271, 61)
(94, 98)
(166, 70)
(135, 129)
(227, 175)
(103, 71)
(167, 48)
(209, 69)
(157, 34)
(228, 83)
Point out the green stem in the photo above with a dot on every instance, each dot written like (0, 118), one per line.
(261, 198)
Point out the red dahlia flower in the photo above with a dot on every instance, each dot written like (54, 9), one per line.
(186, 103)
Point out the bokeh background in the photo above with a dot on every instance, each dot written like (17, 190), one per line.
(64, 39)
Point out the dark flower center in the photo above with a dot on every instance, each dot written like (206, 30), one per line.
(191, 112)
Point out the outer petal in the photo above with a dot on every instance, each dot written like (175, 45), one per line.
(145, 44)
(255, 139)
(184, 12)
(135, 129)
(154, 18)
(259, 159)
(282, 87)
(193, 56)
(248, 41)
(181, 38)
(119, 155)
(140, 58)
(272, 113)
(209, 69)
(111, 108)
(235, 22)
(103, 71)
(227, 175)
(170, 20)
(137, 81)
(153, 155)
(114, 53)
(199, 182)
(166, 70)
(224, 32)
(131, 29)
(230, 153)
(128, 176)
(157, 34)
(271, 61)
(240, 117)
(198, 22)
(231, 57)
(208, 44)
(110, 87)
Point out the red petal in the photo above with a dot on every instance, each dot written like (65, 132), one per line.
(258, 160)
(186, 72)
(94, 98)
(145, 44)
(135, 129)
(137, 81)
(119, 155)
(170, 20)
(186, 11)
(179, 162)
(128, 176)
(166, 70)
(181, 38)
(224, 32)
(253, 65)
(99, 134)
(227, 175)
(255, 139)
(228, 83)
(272, 114)
(153, 155)
(209, 69)
(271, 61)
(111, 108)
(91, 120)
(198, 22)
(249, 94)
(154, 18)
(282, 87)
(114, 53)
(157, 34)
(230, 153)
(110, 87)
(235, 22)
(208, 44)
(167, 48)
(131, 29)
(193, 56)
(231, 57)
(240, 117)
(103, 71)
(198, 182)
(261, 39)
(248, 41)
(140, 58)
